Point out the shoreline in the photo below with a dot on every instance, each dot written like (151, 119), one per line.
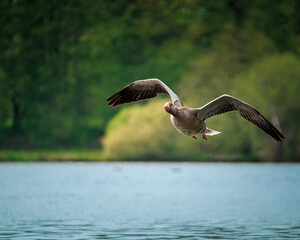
(96, 155)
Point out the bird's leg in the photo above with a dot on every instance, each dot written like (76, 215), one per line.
(204, 137)
(194, 137)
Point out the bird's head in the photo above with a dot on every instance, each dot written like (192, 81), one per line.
(168, 107)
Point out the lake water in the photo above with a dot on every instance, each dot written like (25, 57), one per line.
(149, 201)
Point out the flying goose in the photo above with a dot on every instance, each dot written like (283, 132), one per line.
(191, 121)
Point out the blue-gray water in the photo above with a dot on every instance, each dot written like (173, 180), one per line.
(149, 201)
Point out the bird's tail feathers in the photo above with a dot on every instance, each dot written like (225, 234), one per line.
(210, 132)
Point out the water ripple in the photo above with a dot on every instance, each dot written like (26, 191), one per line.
(141, 231)
(133, 201)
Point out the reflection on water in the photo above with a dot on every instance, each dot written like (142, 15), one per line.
(149, 201)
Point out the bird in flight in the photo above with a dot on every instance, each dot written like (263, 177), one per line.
(191, 121)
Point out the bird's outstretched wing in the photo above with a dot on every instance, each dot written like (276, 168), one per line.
(141, 90)
(227, 103)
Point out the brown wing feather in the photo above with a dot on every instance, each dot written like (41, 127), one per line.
(226, 103)
(135, 92)
(260, 121)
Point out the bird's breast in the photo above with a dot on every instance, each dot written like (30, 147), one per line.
(188, 126)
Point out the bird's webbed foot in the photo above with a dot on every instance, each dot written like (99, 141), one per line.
(195, 137)
(204, 137)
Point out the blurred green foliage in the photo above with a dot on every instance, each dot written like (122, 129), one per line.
(145, 132)
(60, 60)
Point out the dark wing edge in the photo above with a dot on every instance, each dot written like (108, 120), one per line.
(227, 103)
(139, 90)
(260, 121)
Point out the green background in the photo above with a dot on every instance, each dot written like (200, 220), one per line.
(60, 61)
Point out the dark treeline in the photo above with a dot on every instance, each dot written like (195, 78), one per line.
(60, 60)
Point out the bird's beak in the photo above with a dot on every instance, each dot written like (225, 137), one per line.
(167, 106)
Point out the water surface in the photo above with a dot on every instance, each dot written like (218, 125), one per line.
(149, 201)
